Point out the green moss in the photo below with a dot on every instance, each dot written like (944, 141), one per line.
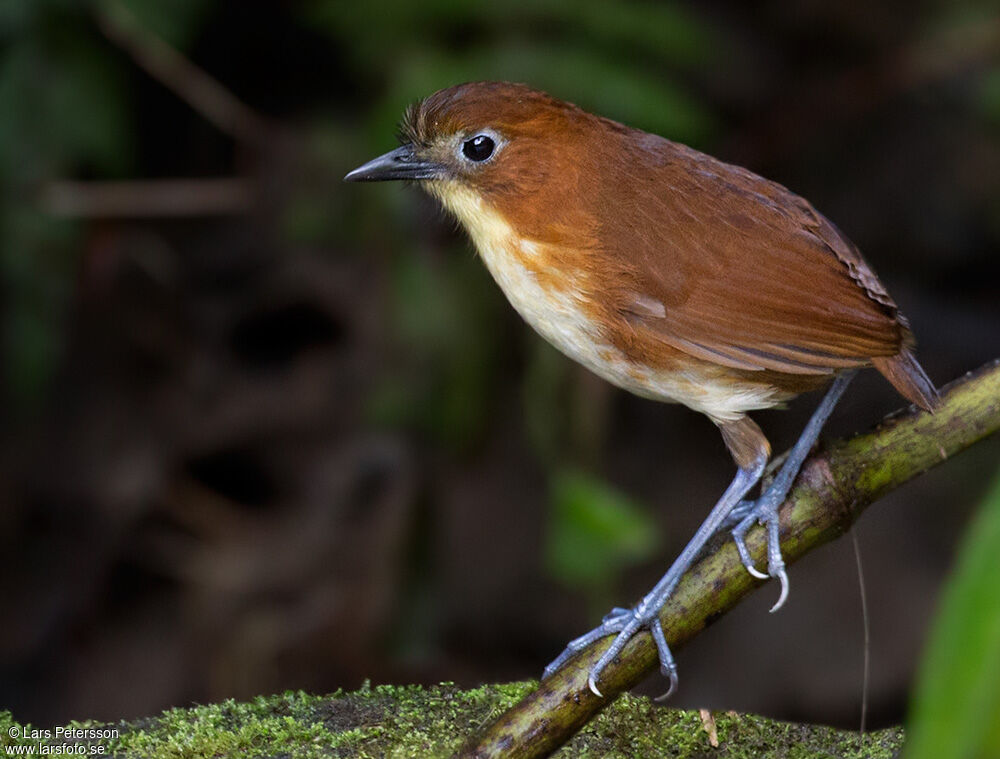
(411, 721)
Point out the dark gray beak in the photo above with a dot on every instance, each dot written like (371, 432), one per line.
(401, 163)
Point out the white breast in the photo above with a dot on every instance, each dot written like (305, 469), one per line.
(556, 314)
(559, 315)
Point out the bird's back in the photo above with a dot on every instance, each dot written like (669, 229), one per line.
(728, 267)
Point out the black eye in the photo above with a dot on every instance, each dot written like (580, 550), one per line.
(479, 148)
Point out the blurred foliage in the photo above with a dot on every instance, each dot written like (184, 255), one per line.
(546, 410)
(84, 105)
(622, 63)
(955, 712)
(594, 534)
(66, 111)
(63, 112)
(440, 310)
(175, 21)
(989, 97)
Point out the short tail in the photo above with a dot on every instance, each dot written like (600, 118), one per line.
(909, 378)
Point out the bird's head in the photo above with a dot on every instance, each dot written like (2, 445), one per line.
(496, 147)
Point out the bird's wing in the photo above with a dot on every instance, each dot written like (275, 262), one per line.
(737, 270)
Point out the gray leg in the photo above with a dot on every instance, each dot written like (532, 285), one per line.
(765, 508)
(624, 623)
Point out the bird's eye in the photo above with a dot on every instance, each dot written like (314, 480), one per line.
(479, 148)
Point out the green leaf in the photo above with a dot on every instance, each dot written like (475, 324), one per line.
(955, 712)
(595, 532)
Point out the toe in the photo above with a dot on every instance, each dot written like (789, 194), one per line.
(744, 552)
(616, 616)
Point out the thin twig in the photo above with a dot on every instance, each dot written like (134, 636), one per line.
(833, 488)
(148, 198)
(866, 624)
(189, 82)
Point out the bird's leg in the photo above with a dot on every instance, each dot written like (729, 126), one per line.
(765, 508)
(624, 623)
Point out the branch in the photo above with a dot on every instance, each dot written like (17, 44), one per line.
(149, 197)
(832, 490)
(192, 84)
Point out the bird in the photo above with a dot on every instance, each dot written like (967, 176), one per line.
(667, 272)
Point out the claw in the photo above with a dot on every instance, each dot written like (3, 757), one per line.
(739, 533)
(673, 687)
(782, 576)
(667, 665)
(593, 687)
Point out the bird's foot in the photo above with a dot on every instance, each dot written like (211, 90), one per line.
(623, 624)
(764, 511)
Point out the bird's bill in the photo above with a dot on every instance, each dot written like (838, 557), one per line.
(401, 163)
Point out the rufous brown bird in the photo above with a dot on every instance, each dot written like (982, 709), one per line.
(667, 272)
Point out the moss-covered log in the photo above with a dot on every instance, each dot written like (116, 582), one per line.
(389, 722)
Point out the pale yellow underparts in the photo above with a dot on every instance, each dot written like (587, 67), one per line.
(560, 316)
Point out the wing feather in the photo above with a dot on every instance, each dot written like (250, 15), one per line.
(749, 275)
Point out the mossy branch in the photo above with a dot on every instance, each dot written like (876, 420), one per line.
(832, 490)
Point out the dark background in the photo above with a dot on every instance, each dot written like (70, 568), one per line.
(283, 432)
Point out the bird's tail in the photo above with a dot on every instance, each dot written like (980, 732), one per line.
(909, 378)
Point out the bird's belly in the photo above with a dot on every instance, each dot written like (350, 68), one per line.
(556, 306)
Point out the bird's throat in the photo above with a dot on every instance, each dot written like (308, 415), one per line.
(542, 284)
